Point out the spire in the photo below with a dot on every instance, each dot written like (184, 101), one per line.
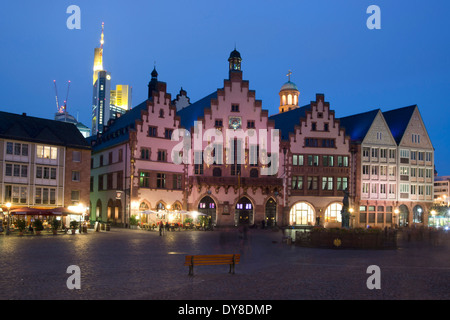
(102, 41)
(98, 56)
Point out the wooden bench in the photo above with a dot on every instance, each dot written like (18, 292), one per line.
(212, 260)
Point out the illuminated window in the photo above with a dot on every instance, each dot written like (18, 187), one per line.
(333, 213)
(301, 214)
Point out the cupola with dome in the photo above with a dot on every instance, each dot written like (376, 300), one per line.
(289, 95)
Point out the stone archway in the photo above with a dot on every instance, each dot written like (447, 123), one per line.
(209, 207)
(271, 212)
(403, 216)
(244, 211)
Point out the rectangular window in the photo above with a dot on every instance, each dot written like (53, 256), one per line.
(145, 154)
(161, 180)
(144, 179)
(374, 152)
(366, 152)
(76, 176)
(313, 183)
(162, 155)
(177, 179)
(404, 153)
(327, 183)
(365, 188)
(152, 131)
(366, 169)
(9, 148)
(168, 133)
(47, 152)
(75, 196)
(234, 108)
(76, 156)
(198, 162)
(391, 154)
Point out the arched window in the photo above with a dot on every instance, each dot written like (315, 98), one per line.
(333, 213)
(176, 206)
(283, 100)
(418, 214)
(301, 213)
(160, 206)
(143, 206)
(295, 99)
(161, 113)
(289, 98)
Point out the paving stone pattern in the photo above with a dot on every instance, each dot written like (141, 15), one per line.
(135, 264)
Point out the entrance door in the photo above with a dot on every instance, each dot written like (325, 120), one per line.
(244, 211)
(208, 207)
(271, 212)
(403, 218)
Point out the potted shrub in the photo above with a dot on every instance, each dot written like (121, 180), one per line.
(133, 222)
(73, 226)
(21, 225)
(38, 226)
(55, 225)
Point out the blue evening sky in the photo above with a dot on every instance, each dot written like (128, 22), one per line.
(325, 43)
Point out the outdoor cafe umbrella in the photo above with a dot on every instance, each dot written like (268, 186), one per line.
(30, 211)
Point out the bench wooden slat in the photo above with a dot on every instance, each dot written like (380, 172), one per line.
(218, 259)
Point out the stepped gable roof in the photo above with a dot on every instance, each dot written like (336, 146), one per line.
(356, 126)
(191, 113)
(398, 120)
(286, 121)
(38, 130)
(118, 131)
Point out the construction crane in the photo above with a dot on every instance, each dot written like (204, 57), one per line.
(63, 108)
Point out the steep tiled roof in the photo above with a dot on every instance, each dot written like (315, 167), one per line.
(357, 126)
(38, 130)
(398, 120)
(286, 121)
(118, 131)
(196, 110)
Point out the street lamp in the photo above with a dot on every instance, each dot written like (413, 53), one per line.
(8, 205)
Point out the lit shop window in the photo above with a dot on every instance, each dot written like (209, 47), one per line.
(333, 213)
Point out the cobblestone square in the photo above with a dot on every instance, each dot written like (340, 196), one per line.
(136, 264)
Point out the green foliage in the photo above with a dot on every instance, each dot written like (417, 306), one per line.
(55, 224)
(188, 220)
(133, 220)
(38, 225)
(21, 224)
(73, 224)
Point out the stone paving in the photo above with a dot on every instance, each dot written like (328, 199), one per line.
(135, 264)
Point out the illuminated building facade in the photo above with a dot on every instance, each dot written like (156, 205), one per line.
(243, 166)
(45, 165)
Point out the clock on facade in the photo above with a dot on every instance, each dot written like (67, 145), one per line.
(235, 123)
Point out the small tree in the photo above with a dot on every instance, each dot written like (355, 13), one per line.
(133, 220)
(73, 225)
(21, 224)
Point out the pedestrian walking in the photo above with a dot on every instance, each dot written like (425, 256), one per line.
(263, 223)
(161, 228)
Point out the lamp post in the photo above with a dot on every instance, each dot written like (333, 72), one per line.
(8, 205)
